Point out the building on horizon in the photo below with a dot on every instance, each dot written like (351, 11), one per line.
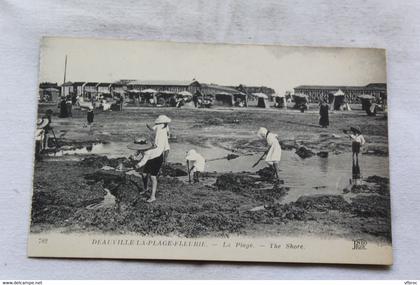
(316, 93)
(239, 95)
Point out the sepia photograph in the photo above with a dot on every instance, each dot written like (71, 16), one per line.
(225, 152)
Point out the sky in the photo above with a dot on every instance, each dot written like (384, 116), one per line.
(278, 67)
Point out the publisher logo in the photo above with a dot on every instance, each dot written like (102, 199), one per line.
(359, 244)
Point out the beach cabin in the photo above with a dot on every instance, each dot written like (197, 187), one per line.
(117, 89)
(104, 89)
(279, 101)
(368, 104)
(148, 96)
(223, 96)
(262, 100)
(67, 89)
(337, 100)
(78, 88)
(240, 99)
(164, 98)
(90, 90)
(301, 101)
(49, 92)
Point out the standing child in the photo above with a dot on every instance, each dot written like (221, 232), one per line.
(90, 115)
(273, 153)
(161, 134)
(151, 159)
(40, 135)
(47, 128)
(357, 140)
(198, 164)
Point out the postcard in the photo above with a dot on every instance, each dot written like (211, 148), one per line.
(222, 152)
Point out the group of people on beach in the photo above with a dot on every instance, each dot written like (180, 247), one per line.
(151, 154)
(356, 137)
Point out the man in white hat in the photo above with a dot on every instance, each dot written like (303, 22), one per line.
(198, 163)
(273, 155)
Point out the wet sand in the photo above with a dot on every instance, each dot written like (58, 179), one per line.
(231, 198)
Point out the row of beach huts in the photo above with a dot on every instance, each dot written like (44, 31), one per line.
(158, 92)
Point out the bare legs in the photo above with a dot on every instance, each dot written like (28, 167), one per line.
(356, 168)
(165, 159)
(196, 177)
(145, 181)
(154, 186)
(275, 167)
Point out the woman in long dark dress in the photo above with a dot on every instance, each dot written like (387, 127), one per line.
(324, 119)
(63, 108)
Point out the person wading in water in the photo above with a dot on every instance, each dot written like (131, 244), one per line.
(273, 154)
(357, 140)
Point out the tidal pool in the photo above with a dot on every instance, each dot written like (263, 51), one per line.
(309, 176)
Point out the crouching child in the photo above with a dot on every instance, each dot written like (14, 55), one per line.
(273, 153)
(197, 163)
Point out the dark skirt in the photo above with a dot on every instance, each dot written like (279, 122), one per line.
(153, 166)
(324, 120)
(63, 110)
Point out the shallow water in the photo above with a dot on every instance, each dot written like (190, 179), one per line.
(309, 176)
(111, 150)
(330, 175)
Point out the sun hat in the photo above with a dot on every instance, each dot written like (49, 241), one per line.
(191, 155)
(356, 129)
(140, 143)
(162, 119)
(262, 132)
(41, 123)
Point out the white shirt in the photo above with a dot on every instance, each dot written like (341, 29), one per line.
(161, 137)
(148, 155)
(198, 161)
(274, 154)
(358, 138)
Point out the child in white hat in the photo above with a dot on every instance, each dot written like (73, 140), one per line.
(274, 152)
(357, 140)
(161, 131)
(198, 163)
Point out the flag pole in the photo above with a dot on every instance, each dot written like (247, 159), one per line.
(65, 68)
